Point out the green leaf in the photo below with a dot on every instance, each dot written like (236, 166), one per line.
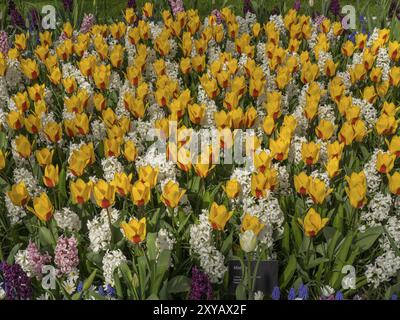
(365, 240)
(161, 269)
(117, 282)
(46, 237)
(151, 246)
(10, 259)
(341, 260)
(227, 244)
(88, 282)
(332, 244)
(179, 284)
(241, 292)
(286, 239)
(95, 258)
(297, 233)
(338, 220)
(289, 271)
(314, 263)
(153, 297)
(62, 185)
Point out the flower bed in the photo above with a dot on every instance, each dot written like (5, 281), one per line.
(146, 158)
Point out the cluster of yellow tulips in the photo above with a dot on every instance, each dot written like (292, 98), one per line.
(320, 106)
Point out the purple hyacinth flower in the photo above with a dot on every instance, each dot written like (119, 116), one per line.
(339, 295)
(201, 288)
(334, 7)
(276, 293)
(68, 5)
(303, 292)
(17, 284)
(292, 294)
(131, 4)
(247, 7)
(297, 5)
(16, 18)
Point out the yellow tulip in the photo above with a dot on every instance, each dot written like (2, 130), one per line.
(394, 183)
(310, 152)
(332, 167)
(318, 191)
(385, 162)
(141, 193)
(80, 191)
(394, 50)
(219, 216)
(18, 194)
(53, 131)
(30, 68)
(357, 189)
(148, 9)
(111, 147)
(117, 56)
(313, 223)
(104, 194)
(324, 130)
(2, 160)
(335, 150)
(302, 183)
(279, 148)
(196, 112)
(23, 146)
(122, 183)
(394, 146)
(50, 176)
(130, 151)
(20, 41)
(148, 174)
(15, 120)
(394, 76)
(101, 76)
(232, 188)
(22, 101)
(171, 194)
(55, 76)
(252, 223)
(250, 117)
(42, 207)
(134, 230)
(203, 169)
(386, 125)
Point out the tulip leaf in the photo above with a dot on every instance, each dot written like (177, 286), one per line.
(338, 220)
(286, 239)
(46, 237)
(153, 297)
(227, 244)
(332, 244)
(62, 186)
(365, 240)
(179, 284)
(3, 140)
(297, 234)
(241, 292)
(162, 267)
(10, 259)
(88, 282)
(151, 245)
(341, 258)
(117, 282)
(95, 258)
(314, 263)
(289, 271)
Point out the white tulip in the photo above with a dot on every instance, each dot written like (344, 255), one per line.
(248, 241)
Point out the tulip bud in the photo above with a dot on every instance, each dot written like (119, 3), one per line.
(248, 241)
